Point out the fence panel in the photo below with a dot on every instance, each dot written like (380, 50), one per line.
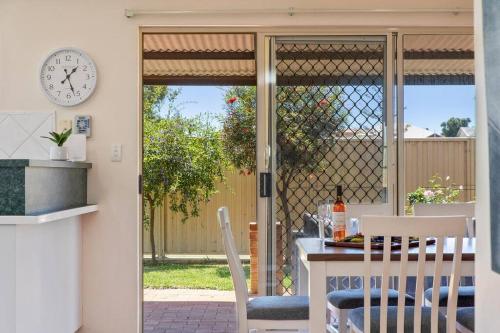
(424, 158)
(452, 157)
(201, 235)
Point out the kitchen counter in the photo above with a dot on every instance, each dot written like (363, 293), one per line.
(41, 208)
(35, 187)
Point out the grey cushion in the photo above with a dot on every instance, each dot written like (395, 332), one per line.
(278, 308)
(465, 317)
(354, 298)
(465, 296)
(357, 318)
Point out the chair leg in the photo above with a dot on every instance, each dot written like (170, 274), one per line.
(343, 317)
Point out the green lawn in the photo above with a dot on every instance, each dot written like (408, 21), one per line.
(190, 276)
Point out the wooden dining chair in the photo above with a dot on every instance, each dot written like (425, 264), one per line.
(403, 318)
(449, 209)
(341, 301)
(264, 312)
(466, 294)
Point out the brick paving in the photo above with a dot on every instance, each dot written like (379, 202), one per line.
(189, 317)
(189, 311)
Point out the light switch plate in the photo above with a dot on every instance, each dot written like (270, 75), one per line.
(64, 124)
(116, 152)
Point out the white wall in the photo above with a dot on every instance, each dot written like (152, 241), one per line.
(30, 29)
(487, 281)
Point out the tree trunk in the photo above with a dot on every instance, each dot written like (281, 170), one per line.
(283, 194)
(152, 231)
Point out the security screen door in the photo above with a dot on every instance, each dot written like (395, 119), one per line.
(329, 127)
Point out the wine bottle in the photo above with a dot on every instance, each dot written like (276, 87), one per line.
(339, 216)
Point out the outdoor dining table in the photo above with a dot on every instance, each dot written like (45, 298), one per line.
(317, 262)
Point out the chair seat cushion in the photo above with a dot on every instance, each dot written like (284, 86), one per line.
(465, 317)
(354, 298)
(278, 308)
(465, 296)
(356, 317)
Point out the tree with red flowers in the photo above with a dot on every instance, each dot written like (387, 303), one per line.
(183, 160)
(308, 119)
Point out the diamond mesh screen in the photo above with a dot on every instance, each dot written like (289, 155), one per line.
(329, 131)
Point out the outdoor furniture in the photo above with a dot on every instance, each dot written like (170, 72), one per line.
(386, 318)
(311, 226)
(318, 261)
(465, 320)
(265, 312)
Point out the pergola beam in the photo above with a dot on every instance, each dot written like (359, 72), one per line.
(200, 80)
(199, 55)
(410, 79)
(439, 55)
(305, 55)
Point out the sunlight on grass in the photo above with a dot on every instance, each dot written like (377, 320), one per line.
(190, 276)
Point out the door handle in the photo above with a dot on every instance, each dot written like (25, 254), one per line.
(265, 185)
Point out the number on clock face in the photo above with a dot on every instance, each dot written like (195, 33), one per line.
(68, 77)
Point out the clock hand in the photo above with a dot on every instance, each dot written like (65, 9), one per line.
(69, 75)
(65, 71)
(71, 87)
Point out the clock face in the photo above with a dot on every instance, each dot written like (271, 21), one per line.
(68, 76)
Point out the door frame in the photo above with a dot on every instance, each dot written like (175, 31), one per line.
(263, 32)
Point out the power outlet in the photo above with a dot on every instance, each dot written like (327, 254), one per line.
(116, 152)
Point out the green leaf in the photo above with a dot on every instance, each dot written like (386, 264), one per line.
(59, 138)
(184, 158)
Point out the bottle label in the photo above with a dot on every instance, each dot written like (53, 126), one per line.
(339, 218)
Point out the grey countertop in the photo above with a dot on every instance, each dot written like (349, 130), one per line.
(5, 163)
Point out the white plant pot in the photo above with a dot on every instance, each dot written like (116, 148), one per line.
(58, 153)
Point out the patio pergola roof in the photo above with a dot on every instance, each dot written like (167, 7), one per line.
(229, 59)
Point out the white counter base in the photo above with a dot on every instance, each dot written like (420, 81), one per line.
(40, 272)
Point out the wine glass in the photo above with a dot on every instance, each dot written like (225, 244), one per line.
(324, 217)
(353, 226)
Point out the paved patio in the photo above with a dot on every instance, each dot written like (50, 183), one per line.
(188, 311)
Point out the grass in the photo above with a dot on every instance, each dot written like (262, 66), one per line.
(190, 276)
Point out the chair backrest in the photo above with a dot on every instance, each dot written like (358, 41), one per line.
(233, 259)
(448, 209)
(356, 210)
(406, 227)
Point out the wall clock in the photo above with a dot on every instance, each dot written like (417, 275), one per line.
(68, 76)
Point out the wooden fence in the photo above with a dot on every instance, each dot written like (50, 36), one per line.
(454, 157)
(424, 158)
(201, 235)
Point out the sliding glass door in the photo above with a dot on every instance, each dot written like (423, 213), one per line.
(329, 125)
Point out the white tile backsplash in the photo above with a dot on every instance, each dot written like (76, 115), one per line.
(20, 134)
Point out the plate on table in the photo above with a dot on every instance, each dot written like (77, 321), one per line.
(357, 241)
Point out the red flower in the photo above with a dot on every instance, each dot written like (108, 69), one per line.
(232, 100)
(323, 102)
(245, 130)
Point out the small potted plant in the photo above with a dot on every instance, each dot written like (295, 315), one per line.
(58, 152)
